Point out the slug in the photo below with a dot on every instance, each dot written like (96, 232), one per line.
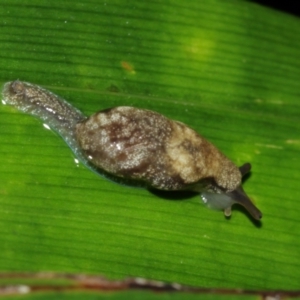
(129, 144)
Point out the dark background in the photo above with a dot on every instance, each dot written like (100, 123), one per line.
(289, 6)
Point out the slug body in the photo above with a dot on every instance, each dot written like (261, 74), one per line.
(132, 144)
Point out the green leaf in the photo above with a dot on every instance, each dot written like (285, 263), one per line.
(228, 69)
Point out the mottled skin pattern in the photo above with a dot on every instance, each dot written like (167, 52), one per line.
(137, 145)
(165, 154)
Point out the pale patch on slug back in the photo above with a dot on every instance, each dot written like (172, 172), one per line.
(139, 145)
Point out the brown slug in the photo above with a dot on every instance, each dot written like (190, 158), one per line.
(138, 145)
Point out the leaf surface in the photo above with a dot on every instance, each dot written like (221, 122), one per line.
(228, 69)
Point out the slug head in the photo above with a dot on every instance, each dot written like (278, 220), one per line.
(224, 200)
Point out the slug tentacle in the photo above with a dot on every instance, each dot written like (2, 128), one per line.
(129, 144)
(245, 168)
(240, 197)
